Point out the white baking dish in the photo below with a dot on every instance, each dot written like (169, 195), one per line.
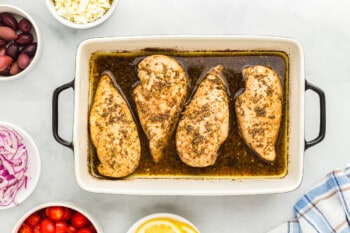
(168, 186)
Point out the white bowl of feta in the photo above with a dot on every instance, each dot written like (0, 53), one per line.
(81, 14)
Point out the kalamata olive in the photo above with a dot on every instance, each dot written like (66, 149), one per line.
(9, 20)
(13, 51)
(14, 69)
(23, 60)
(24, 39)
(30, 49)
(2, 51)
(2, 42)
(5, 61)
(7, 33)
(24, 25)
(5, 72)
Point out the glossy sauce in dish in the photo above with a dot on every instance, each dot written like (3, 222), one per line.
(235, 159)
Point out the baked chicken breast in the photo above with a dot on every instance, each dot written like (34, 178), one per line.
(204, 125)
(159, 98)
(259, 110)
(113, 130)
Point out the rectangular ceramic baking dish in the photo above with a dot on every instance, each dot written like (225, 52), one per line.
(175, 186)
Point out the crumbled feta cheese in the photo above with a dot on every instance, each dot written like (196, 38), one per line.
(82, 11)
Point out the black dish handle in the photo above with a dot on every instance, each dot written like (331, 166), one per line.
(55, 96)
(322, 132)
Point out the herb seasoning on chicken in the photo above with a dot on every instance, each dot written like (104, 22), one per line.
(235, 159)
(113, 130)
(159, 99)
(259, 110)
(204, 125)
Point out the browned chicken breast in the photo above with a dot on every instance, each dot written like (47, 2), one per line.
(204, 124)
(113, 130)
(259, 110)
(159, 98)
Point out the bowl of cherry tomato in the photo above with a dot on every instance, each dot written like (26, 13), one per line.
(57, 218)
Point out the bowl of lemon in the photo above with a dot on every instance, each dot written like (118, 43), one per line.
(163, 223)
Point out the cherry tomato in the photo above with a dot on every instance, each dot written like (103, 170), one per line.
(71, 229)
(55, 213)
(61, 227)
(25, 229)
(92, 228)
(33, 219)
(37, 229)
(48, 226)
(79, 220)
(42, 213)
(67, 214)
(84, 230)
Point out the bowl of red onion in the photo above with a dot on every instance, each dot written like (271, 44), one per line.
(20, 165)
(20, 43)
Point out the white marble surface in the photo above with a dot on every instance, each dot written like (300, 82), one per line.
(322, 27)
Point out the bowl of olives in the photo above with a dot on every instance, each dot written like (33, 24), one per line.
(20, 43)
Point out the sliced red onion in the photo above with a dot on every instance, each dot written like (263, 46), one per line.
(13, 165)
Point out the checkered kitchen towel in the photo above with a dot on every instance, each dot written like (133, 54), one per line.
(325, 208)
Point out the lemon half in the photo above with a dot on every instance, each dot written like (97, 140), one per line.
(165, 225)
(187, 228)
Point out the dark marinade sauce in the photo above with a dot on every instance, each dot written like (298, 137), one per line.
(235, 159)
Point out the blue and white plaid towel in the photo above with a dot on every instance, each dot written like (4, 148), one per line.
(325, 208)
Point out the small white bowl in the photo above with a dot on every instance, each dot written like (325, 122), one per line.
(19, 13)
(62, 204)
(50, 4)
(34, 165)
(175, 217)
